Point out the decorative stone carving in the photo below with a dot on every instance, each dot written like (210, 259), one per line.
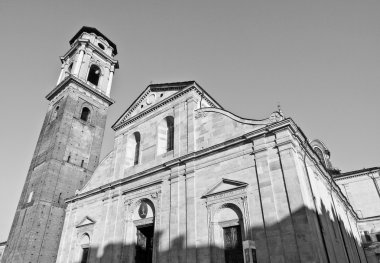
(200, 114)
(132, 203)
(218, 198)
(276, 117)
(239, 205)
(155, 195)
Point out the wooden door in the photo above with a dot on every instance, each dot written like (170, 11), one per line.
(144, 245)
(233, 248)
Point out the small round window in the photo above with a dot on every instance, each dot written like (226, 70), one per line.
(101, 46)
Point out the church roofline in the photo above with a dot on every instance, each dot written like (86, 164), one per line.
(183, 87)
(61, 86)
(287, 123)
(88, 29)
(95, 49)
(358, 172)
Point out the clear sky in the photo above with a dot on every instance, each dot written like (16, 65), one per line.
(319, 59)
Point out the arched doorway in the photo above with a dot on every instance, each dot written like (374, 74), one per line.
(84, 248)
(228, 228)
(143, 220)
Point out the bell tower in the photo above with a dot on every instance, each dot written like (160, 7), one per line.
(68, 147)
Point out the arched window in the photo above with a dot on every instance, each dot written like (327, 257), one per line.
(85, 115)
(320, 154)
(94, 75)
(137, 148)
(84, 248)
(367, 236)
(165, 135)
(54, 114)
(70, 68)
(133, 149)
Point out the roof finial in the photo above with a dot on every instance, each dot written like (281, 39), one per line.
(279, 108)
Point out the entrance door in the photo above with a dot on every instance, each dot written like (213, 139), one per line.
(144, 246)
(233, 248)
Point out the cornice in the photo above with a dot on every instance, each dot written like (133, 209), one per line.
(96, 49)
(141, 187)
(95, 32)
(307, 148)
(246, 138)
(369, 219)
(359, 174)
(72, 79)
(283, 124)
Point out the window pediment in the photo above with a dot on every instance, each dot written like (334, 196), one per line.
(224, 186)
(85, 222)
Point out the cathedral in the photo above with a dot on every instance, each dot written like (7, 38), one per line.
(186, 181)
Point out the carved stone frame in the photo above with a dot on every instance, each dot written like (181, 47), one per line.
(235, 199)
(81, 231)
(132, 202)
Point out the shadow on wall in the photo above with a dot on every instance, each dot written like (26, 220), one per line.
(329, 239)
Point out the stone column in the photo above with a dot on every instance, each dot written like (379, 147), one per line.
(60, 78)
(164, 228)
(182, 217)
(177, 129)
(279, 227)
(191, 230)
(78, 63)
(183, 128)
(108, 91)
(191, 106)
(257, 231)
(175, 240)
(272, 233)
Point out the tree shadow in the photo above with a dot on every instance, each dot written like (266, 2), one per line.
(328, 238)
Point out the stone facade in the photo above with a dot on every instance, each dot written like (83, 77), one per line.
(362, 190)
(223, 171)
(186, 181)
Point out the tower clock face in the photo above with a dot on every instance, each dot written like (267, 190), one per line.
(143, 210)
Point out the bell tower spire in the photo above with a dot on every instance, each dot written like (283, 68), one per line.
(90, 59)
(68, 147)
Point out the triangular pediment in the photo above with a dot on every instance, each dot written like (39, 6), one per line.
(224, 185)
(85, 222)
(159, 94)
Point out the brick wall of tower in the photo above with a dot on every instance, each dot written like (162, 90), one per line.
(52, 177)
